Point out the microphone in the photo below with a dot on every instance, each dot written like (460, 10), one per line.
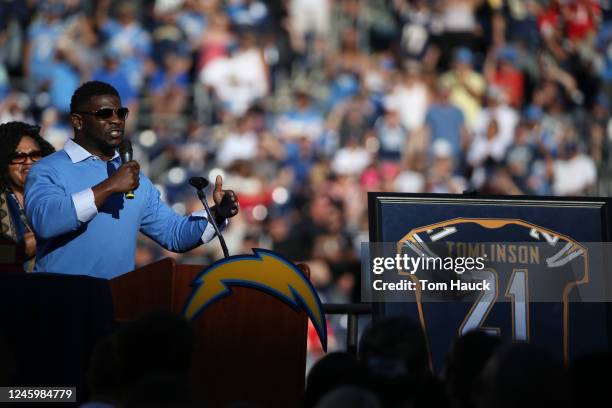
(125, 151)
(200, 183)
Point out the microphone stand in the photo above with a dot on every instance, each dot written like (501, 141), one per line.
(211, 219)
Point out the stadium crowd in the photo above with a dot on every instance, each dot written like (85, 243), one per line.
(147, 363)
(305, 105)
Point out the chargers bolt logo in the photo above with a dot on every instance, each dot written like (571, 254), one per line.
(265, 271)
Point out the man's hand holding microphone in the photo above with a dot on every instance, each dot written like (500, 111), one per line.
(127, 179)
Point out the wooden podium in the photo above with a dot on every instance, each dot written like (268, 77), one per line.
(249, 346)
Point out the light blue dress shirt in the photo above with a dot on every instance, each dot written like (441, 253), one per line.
(75, 237)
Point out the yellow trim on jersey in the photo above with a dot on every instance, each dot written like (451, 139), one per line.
(496, 223)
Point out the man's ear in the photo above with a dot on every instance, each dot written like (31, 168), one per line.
(76, 120)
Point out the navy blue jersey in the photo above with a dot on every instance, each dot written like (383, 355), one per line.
(525, 262)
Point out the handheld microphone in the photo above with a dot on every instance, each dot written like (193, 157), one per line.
(125, 151)
(200, 183)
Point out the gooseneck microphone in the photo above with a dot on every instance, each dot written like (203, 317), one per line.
(125, 151)
(200, 183)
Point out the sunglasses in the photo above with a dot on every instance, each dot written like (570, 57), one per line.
(20, 157)
(107, 113)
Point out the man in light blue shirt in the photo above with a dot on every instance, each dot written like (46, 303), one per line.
(74, 198)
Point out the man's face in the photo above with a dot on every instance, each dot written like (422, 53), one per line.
(102, 134)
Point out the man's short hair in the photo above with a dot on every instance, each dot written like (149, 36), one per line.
(88, 90)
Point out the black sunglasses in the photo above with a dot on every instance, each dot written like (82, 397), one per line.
(107, 113)
(20, 157)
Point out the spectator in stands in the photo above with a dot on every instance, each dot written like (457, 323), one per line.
(308, 18)
(192, 20)
(356, 113)
(15, 107)
(411, 178)
(20, 147)
(102, 376)
(443, 176)
(574, 172)
(64, 74)
(393, 354)
(464, 366)
(445, 121)
(303, 120)
(166, 34)
(392, 136)
(349, 397)
(43, 35)
(466, 85)
(239, 80)
(524, 376)
(344, 68)
(460, 26)
(216, 39)
(528, 168)
(170, 86)
(500, 70)
(127, 36)
(330, 372)
(4, 82)
(248, 14)
(591, 375)
(352, 159)
(420, 32)
(604, 47)
(53, 129)
(599, 131)
(493, 130)
(410, 97)
(543, 137)
(239, 144)
(162, 391)
(155, 349)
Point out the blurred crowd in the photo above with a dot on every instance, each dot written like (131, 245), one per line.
(392, 370)
(147, 364)
(305, 105)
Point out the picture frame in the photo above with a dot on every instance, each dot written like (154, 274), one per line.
(583, 326)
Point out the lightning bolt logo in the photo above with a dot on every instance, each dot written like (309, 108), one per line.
(265, 271)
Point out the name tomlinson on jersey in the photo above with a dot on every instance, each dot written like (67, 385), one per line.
(495, 252)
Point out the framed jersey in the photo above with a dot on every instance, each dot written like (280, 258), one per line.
(538, 245)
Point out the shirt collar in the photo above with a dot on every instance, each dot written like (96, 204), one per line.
(77, 153)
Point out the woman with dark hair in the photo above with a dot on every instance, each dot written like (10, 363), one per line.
(20, 147)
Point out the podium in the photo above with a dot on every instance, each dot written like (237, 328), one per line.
(249, 346)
